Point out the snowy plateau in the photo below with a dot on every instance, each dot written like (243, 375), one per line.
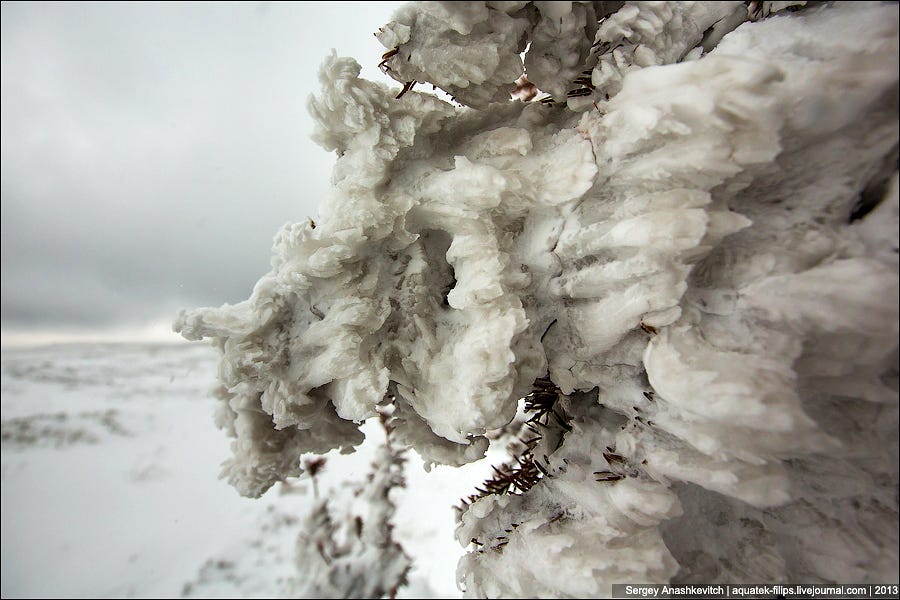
(109, 485)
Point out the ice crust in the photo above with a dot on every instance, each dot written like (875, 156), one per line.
(701, 251)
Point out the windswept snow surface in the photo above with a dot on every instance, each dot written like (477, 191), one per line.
(109, 487)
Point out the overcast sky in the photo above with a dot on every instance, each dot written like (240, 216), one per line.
(151, 151)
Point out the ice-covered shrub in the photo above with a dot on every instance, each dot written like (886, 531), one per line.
(693, 234)
(351, 552)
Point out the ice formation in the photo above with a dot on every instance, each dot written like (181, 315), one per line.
(694, 236)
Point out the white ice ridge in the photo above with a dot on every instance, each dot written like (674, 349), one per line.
(697, 241)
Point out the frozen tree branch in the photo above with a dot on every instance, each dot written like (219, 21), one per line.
(694, 237)
(355, 555)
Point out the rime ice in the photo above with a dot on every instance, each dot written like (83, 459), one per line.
(697, 239)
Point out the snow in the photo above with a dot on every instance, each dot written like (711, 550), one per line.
(109, 485)
(676, 264)
(679, 244)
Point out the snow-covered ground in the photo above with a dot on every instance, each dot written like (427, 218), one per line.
(110, 461)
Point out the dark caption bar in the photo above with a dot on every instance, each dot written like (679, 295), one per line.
(787, 591)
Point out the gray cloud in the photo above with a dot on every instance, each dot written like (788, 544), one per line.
(151, 152)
